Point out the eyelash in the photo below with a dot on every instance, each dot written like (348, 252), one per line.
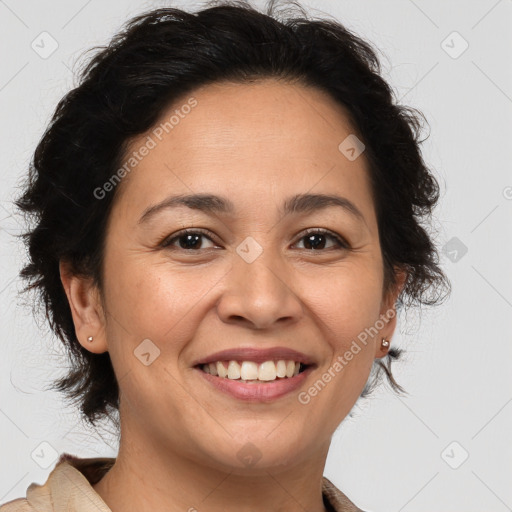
(342, 243)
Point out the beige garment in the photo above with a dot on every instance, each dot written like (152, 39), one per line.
(69, 489)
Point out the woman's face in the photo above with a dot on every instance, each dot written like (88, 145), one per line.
(252, 278)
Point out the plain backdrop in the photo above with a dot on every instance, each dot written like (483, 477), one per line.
(445, 447)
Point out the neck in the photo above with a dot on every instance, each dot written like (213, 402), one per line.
(146, 477)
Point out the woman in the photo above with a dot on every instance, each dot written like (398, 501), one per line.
(228, 214)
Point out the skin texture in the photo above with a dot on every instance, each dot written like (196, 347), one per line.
(256, 144)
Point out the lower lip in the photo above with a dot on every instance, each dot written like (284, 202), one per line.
(257, 392)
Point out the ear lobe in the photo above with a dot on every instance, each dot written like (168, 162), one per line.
(86, 309)
(388, 311)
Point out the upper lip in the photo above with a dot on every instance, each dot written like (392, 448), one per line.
(258, 355)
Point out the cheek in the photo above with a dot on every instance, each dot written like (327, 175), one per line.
(157, 299)
(345, 300)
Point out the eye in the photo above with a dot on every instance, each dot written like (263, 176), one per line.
(315, 240)
(188, 239)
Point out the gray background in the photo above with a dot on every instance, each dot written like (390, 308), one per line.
(393, 454)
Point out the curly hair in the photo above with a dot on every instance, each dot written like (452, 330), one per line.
(126, 86)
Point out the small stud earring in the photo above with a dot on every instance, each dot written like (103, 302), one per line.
(384, 343)
(89, 338)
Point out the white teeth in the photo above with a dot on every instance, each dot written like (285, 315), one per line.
(267, 371)
(251, 371)
(281, 368)
(221, 371)
(233, 370)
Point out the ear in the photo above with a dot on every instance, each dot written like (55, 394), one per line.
(388, 312)
(86, 309)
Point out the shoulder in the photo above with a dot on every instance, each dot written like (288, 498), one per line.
(68, 487)
(38, 499)
(17, 505)
(336, 500)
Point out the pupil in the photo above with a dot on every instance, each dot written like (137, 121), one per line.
(316, 246)
(192, 241)
(188, 238)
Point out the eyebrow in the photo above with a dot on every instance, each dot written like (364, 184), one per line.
(213, 204)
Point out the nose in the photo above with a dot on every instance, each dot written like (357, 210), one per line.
(259, 294)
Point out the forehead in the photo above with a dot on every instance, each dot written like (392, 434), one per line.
(248, 140)
(232, 117)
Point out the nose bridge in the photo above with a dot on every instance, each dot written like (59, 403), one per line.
(264, 274)
(258, 288)
(260, 267)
